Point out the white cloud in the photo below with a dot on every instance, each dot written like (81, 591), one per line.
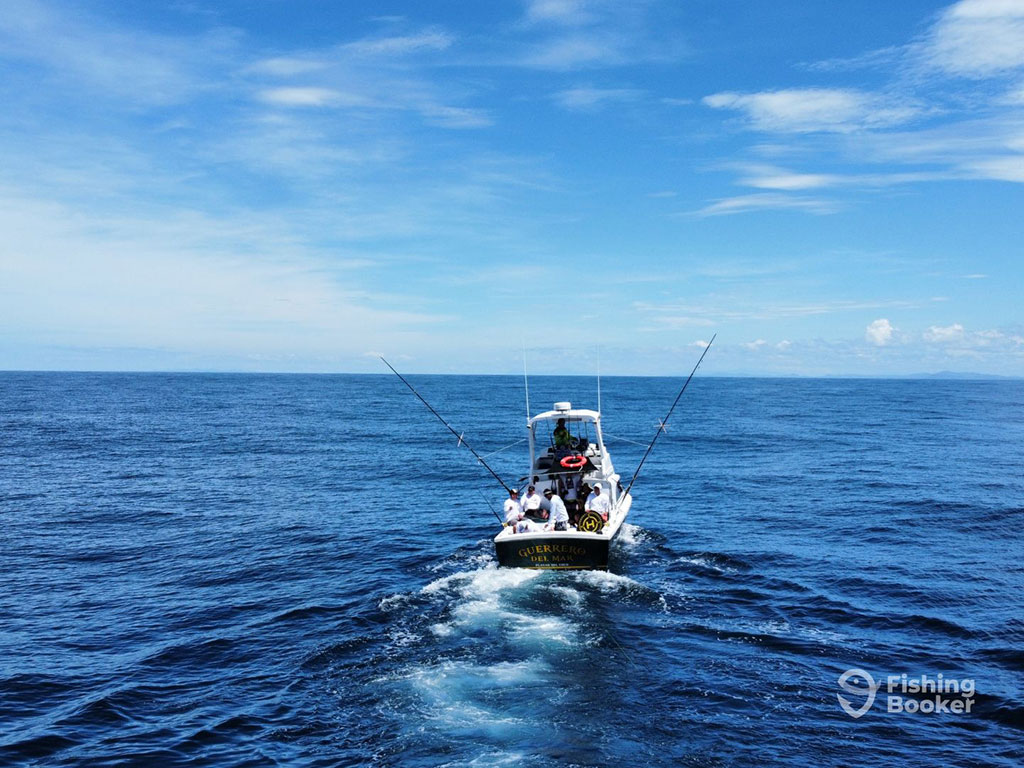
(755, 345)
(308, 97)
(564, 12)
(1009, 168)
(575, 52)
(766, 177)
(133, 67)
(879, 332)
(287, 66)
(978, 38)
(428, 40)
(184, 282)
(783, 345)
(767, 201)
(808, 110)
(588, 99)
(456, 117)
(944, 334)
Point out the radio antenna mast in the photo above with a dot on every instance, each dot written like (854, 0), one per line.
(526, 382)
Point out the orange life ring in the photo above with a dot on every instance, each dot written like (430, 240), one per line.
(573, 462)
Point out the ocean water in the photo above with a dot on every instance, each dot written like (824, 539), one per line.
(246, 570)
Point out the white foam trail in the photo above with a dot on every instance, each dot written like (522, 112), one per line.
(451, 695)
(571, 597)
(484, 580)
(490, 759)
(392, 602)
(631, 536)
(608, 582)
(705, 562)
(480, 603)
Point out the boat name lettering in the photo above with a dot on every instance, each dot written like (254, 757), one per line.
(553, 549)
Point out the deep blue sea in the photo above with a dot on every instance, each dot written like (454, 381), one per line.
(261, 570)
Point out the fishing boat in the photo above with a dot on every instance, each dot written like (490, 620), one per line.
(581, 462)
(578, 458)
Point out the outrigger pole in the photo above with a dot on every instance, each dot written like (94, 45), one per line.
(664, 422)
(462, 440)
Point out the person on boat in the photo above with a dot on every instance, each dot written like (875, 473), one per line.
(561, 435)
(532, 505)
(569, 496)
(559, 515)
(513, 509)
(599, 503)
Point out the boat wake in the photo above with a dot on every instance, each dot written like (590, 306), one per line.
(505, 661)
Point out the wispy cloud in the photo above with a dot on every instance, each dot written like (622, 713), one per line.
(312, 96)
(564, 12)
(180, 282)
(977, 38)
(572, 35)
(678, 314)
(809, 110)
(585, 99)
(966, 135)
(767, 201)
(132, 68)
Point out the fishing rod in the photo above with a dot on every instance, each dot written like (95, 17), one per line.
(462, 440)
(664, 422)
(488, 502)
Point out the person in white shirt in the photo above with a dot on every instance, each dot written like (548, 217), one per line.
(599, 503)
(559, 515)
(532, 504)
(513, 509)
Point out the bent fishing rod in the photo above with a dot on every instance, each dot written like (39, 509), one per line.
(488, 501)
(462, 440)
(664, 422)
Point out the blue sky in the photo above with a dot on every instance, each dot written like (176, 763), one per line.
(832, 187)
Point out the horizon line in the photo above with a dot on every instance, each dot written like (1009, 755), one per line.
(966, 375)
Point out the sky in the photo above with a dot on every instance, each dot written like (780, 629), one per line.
(831, 187)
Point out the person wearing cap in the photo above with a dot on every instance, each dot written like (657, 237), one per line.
(599, 503)
(559, 515)
(513, 509)
(532, 504)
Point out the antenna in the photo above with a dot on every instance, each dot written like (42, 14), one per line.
(599, 379)
(526, 382)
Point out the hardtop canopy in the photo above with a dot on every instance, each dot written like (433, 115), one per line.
(568, 413)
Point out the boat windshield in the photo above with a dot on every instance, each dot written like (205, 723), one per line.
(564, 434)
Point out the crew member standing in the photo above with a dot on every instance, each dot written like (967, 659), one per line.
(559, 515)
(513, 509)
